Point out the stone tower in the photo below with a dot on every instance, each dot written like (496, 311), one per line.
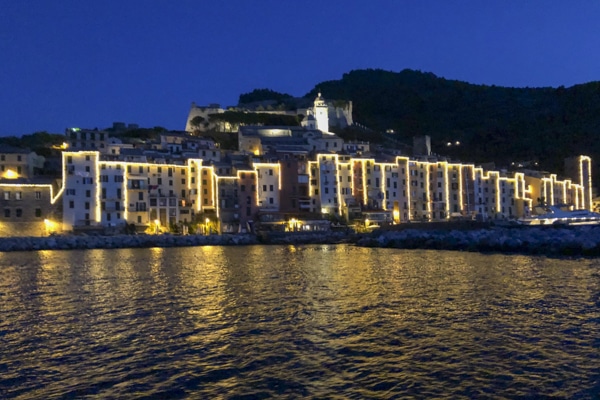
(321, 113)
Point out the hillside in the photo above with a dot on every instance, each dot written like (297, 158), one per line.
(492, 123)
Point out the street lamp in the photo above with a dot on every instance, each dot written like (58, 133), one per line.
(157, 223)
(207, 220)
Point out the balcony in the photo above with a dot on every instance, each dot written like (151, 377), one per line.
(136, 185)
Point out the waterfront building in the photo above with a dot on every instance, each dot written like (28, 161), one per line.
(158, 190)
(30, 207)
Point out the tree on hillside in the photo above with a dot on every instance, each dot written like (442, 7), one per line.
(258, 95)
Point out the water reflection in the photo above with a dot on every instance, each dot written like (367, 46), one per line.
(298, 321)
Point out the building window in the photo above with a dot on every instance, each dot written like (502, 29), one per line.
(7, 213)
(87, 205)
(38, 195)
(19, 213)
(88, 193)
(18, 196)
(71, 204)
(38, 212)
(6, 195)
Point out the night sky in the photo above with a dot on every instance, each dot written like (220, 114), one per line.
(80, 63)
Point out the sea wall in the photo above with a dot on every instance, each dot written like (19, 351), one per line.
(69, 242)
(553, 241)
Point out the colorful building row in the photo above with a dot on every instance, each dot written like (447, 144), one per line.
(100, 192)
(232, 196)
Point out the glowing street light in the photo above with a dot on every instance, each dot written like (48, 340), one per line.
(157, 223)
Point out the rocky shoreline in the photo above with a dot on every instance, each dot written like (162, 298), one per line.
(552, 241)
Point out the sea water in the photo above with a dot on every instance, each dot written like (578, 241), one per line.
(310, 321)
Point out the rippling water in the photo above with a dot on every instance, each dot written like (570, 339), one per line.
(297, 322)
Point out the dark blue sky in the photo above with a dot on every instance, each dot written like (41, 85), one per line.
(88, 63)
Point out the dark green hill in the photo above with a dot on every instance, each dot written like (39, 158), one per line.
(492, 123)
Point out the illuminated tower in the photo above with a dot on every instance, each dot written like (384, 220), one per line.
(321, 114)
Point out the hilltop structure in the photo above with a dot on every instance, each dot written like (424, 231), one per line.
(323, 114)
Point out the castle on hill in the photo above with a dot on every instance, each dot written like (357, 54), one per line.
(323, 113)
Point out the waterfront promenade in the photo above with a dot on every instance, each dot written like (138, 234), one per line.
(552, 241)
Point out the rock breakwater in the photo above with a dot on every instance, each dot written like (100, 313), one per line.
(554, 241)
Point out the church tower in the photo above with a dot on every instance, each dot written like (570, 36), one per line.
(321, 114)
